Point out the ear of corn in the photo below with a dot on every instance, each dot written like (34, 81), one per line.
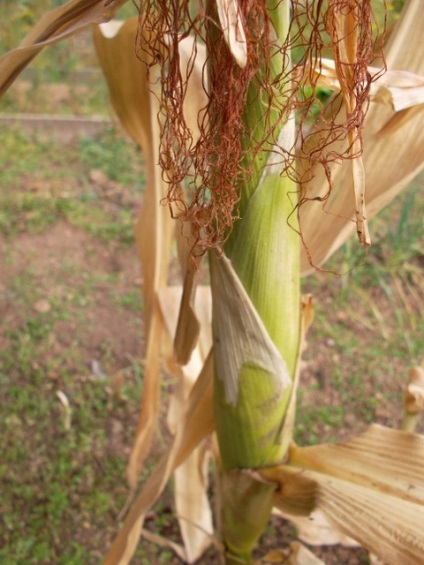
(256, 337)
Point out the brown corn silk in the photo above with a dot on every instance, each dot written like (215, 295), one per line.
(214, 166)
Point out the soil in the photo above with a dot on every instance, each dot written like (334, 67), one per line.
(103, 321)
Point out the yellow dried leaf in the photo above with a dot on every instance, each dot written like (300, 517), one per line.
(300, 555)
(398, 89)
(392, 155)
(198, 423)
(414, 394)
(188, 327)
(165, 542)
(232, 28)
(54, 26)
(137, 107)
(369, 460)
(371, 489)
(192, 504)
(190, 479)
(315, 529)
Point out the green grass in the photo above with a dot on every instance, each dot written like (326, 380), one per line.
(55, 476)
(41, 184)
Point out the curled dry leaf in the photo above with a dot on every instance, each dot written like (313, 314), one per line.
(165, 542)
(197, 423)
(54, 26)
(343, 29)
(230, 17)
(398, 89)
(371, 489)
(191, 477)
(414, 393)
(393, 149)
(192, 504)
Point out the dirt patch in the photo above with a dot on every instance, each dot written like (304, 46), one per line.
(75, 273)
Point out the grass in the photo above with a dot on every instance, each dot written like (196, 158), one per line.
(41, 185)
(51, 470)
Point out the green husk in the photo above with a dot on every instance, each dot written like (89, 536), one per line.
(251, 392)
(256, 313)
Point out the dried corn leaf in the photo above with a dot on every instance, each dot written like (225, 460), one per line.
(343, 29)
(371, 489)
(414, 394)
(192, 504)
(197, 423)
(232, 27)
(385, 525)
(390, 161)
(169, 300)
(191, 478)
(315, 529)
(398, 89)
(137, 107)
(188, 327)
(54, 26)
(127, 82)
(178, 549)
(300, 555)
(369, 460)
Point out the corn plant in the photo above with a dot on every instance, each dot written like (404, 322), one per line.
(218, 96)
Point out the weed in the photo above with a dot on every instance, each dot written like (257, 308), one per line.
(131, 300)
